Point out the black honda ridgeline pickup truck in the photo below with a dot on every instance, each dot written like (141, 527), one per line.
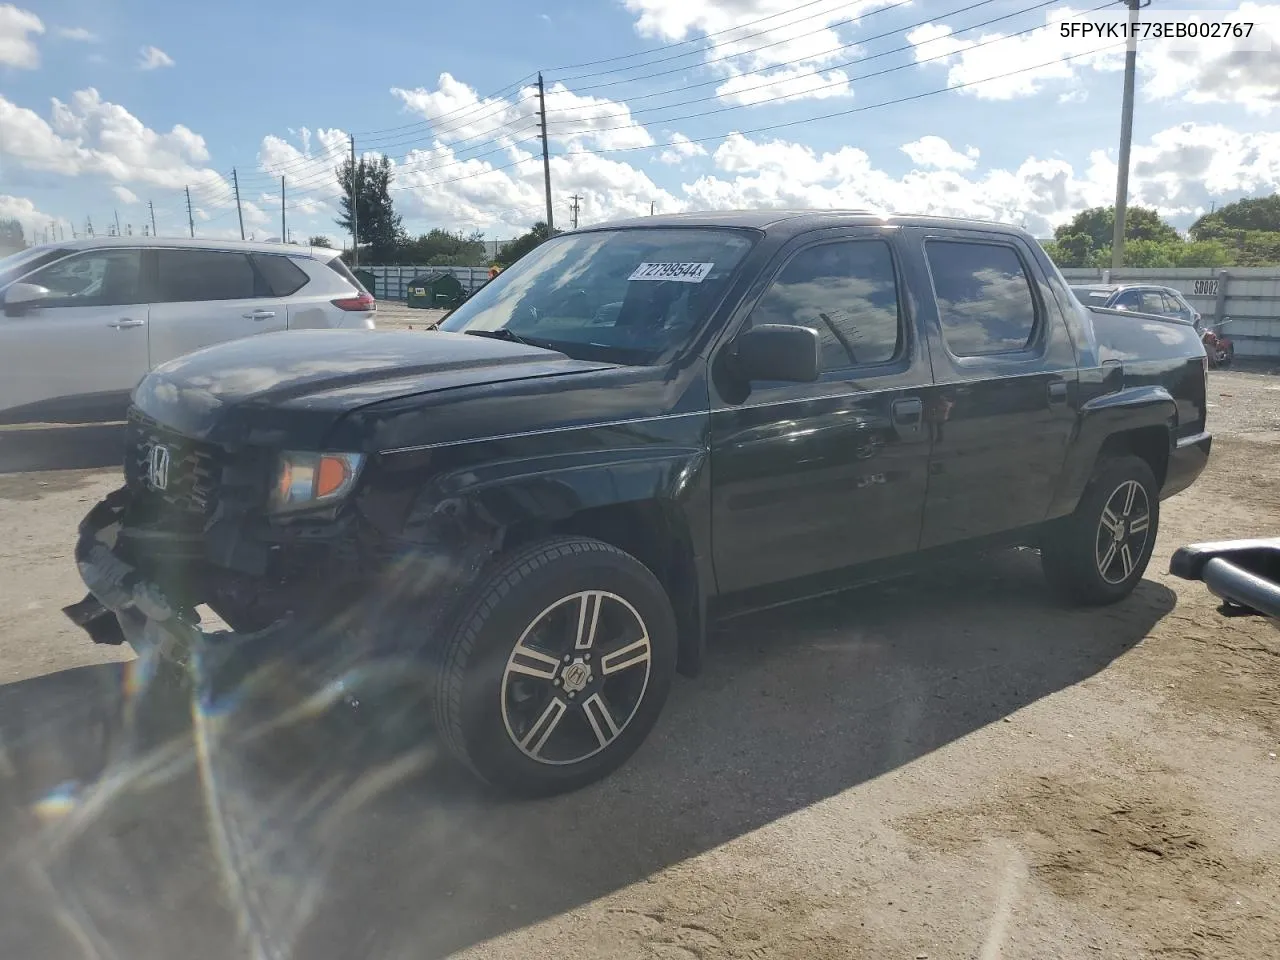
(635, 428)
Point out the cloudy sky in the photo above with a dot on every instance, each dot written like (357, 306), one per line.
(956, 107)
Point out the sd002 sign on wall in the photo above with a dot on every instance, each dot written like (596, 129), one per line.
(1205, 288)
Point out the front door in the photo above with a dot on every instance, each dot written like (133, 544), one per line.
(76, 355)
(203, 297)
(812, 478)
(1001, 410)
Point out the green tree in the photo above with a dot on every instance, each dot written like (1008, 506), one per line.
(320, 241)
(1099, 223)
(444, 249)
(12, 239)
(521, 245)
(1071, 250)
(378, 223)
(1252, 213)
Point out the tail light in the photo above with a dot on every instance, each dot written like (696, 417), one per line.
(363, 302)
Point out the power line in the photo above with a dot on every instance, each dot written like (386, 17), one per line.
(744, 53)
(838, 83)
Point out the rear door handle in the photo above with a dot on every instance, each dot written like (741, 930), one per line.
(259, 315)
(125, 323)
(1058, 392)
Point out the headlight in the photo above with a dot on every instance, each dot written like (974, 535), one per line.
(313, 479)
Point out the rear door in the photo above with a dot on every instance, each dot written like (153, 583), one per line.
(203, 297)
(79, 354)
(1000, 412)
(811, 478)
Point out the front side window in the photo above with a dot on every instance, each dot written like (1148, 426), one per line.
(184, 276)
(847, 292)
(1153, 302)
(1129, 300)
(98, 278)
(985, 303)
(633, 296)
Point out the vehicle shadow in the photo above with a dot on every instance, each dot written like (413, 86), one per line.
(85, 446)
(348, 850)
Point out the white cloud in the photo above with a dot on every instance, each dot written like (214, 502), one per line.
(78, 34)
(931, 151)
(681, 148)
(152, 58)
(32, 219)
(458, 116)
(89, 135)
(309, 170)
(767, 38)
(124, 194)
(1002, 66)
(18, 27)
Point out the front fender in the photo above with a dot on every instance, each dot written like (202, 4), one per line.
(1103, 417)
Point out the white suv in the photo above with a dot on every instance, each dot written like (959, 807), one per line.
(84, 321)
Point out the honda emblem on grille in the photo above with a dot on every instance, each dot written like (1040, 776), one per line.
(158, 467)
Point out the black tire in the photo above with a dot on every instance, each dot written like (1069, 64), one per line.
(1084, 563)
(489, 705)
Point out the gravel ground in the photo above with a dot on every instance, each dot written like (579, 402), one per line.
(946, 767)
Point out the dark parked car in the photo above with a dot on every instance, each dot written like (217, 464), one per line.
(635, 428)
(1161, 302)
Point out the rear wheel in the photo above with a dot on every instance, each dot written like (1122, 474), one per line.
(1099, 553)
(558, 667)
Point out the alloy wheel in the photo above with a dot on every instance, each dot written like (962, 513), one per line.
(1123, 530)
(576, 677)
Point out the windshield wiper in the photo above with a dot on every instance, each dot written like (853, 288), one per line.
(502, 333)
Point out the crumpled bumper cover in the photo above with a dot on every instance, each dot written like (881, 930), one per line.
(124, 607)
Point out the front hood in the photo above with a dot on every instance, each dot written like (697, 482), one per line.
(290, 387)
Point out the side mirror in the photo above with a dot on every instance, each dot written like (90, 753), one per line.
(776, 351)
(21, 297)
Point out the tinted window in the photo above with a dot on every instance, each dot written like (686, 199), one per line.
(280, 275)
(98, 278)
(1129, 300)
(846, 292)
(1176, 307)
(631, 296)
(1153, 302)
(340, 268)
(185, 275)
(984, 298)
(17, 265)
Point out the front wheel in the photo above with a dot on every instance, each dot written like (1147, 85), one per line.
(558, 667)
(1098, 554)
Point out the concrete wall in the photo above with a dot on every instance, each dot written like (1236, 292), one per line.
(1247, 296)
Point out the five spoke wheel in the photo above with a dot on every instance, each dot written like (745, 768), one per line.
(575, 677)
(1122, 532)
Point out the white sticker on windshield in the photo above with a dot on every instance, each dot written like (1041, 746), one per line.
(680, 272)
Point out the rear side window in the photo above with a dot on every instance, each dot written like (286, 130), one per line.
(340, 268)
(985, 304)
(190, 275)
(280, 275)
(847, 292)
(1153, 302)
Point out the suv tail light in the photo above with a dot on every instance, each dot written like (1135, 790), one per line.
(361, 303)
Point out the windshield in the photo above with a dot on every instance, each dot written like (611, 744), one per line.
(24, 261)
(624, 296)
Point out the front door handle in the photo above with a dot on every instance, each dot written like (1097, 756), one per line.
(125, 323)
(259, 315)
(1058, 392)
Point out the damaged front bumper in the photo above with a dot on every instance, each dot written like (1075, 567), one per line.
(123, 606)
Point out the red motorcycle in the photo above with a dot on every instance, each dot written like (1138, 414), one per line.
(1219, 349)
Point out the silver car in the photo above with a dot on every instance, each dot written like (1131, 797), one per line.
(84, 321)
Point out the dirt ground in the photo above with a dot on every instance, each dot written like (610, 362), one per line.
(950, 766)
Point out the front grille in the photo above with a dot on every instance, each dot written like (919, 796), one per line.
(190, 475)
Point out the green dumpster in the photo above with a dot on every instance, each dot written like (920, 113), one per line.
(367, 279)
(434, 291)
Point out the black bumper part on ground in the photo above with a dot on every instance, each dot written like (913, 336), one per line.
(1245, 573)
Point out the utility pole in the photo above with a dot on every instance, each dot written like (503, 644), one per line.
(74, 236)
(117, 213)
(88, 226)
(1126, 133)
(191, 221)
(573, 209)
(152, 207)
(546, 153)
(651, 204)
(235, 181)
(355, 210)
(284, 236)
